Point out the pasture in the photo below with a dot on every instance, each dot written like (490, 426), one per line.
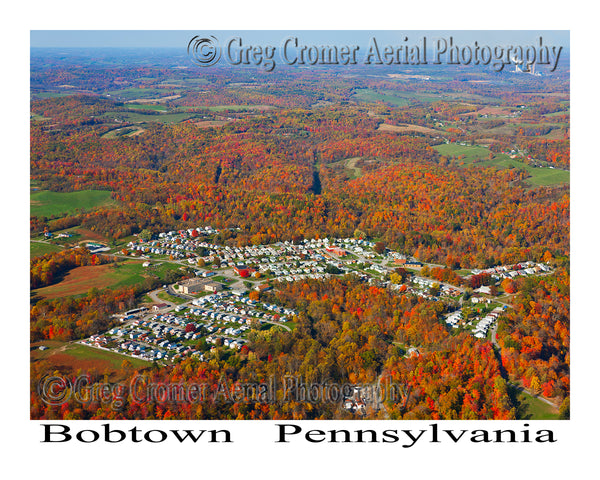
(538, 176)
(47, 204)
(37, 249)
(78, 281)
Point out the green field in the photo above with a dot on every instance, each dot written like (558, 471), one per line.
(135, 93)
(38, 118)
(367, 95)
(220, 108)
(131, 273)
(535, 409)
(556, 114)
(51, 94)
(37, 249)
(468, 154)
(122, 132)
(47, 204)
(538, 176)
(80, 280)
(402, 98)
(135, 117)
(171, 298)
(146, 106)
(89, 353)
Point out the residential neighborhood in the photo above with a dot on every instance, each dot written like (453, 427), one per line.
(215, 307)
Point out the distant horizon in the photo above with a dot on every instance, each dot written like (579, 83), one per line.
(167, 39)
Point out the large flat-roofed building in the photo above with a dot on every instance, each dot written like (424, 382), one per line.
(212, 286)
(196, 285)
(193, 285)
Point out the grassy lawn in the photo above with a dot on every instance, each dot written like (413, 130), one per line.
(537, 175)
(549, 176)
(78, 234)
(367, 95)
(135, 117)
(467, 154)
(122, 132)
(170, 298)
(135, 93)
(222, 279)
(132, 272)
(147, 106)
(535, 409)
(38, 118)
(73, 357)
(221, 108)
(79, 280)
(556, 114)
(463, 271)
(402, 98)
(51, 94)
(115, 359)
(349, 165)
(46, 203)
(37, 249)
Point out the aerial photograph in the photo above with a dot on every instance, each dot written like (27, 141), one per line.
(299, 225)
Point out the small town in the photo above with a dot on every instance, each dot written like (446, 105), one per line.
(219, 306)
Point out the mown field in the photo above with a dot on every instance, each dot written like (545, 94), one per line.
(46, 204)
(148, 106)
(74, 357)
(534, 409)
(538, 176)
(135, 117)
(467, 154)
(79, 280)
(400, 98)
(123, 132)
(134, 93)
(37, 249)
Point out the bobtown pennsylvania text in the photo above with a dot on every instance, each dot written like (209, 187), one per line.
(206, 51)
(292, 433)
(54, 390)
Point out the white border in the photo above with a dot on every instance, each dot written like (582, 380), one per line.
(257, 456)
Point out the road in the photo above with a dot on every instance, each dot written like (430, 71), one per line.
(154, 296)
(498, 350)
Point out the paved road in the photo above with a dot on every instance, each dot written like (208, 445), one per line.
(154, 296)
(518, 387)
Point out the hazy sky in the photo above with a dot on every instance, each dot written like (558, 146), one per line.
(180, 38)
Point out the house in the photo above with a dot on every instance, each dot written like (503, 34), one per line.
(158, 306)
